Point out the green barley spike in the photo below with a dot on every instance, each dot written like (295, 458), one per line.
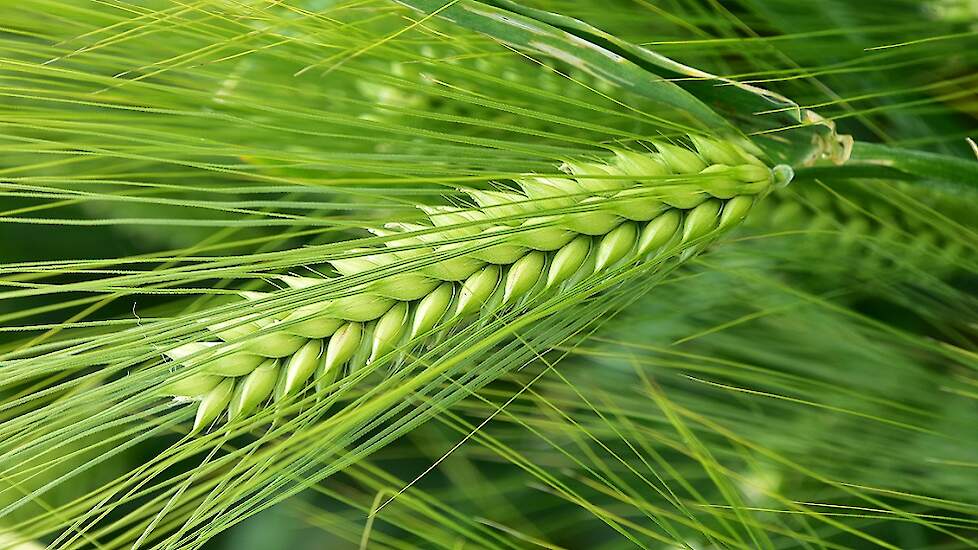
(521, 242)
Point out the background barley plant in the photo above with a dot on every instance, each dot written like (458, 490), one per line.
(677, 274)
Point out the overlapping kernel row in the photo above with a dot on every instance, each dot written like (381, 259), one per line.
(509, 245)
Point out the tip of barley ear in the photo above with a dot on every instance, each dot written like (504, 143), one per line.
(783, 174)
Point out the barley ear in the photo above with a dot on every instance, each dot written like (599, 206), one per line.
(511, 248)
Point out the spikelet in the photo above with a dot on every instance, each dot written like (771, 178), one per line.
(513, 245)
